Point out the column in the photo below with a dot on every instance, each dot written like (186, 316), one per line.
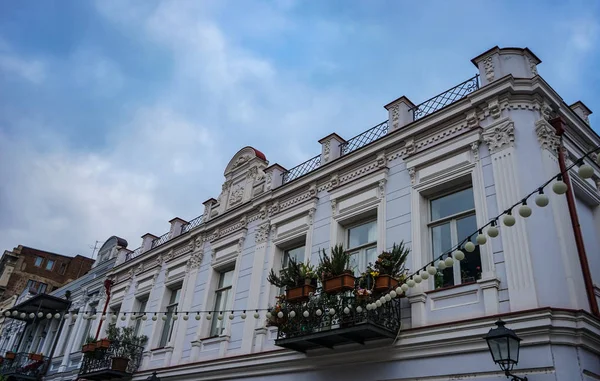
(260, 237)
(62, 336)
(47, 347)
(417, 300)
(187, 299)
(71, 345)
(500, 138)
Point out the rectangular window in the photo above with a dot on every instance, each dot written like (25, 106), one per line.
(223, 299)
(138, 321)
(49, 264)
(452, 219)
(362, 245)
(167, 331)
(62, 269)
(38, 261)
(296, 254)
(42, 288)
(88, 325)
(37, 287)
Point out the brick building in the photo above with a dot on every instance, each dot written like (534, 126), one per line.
(40, 271)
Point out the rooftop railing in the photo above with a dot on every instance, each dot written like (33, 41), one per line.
(447, 97)
(302, 169)
(365, 138)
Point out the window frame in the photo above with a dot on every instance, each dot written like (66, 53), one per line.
(361, 250)
(215, 323)
(63, 268)
(36, 260)
(142, 303)
(170, 309)
(50, 262)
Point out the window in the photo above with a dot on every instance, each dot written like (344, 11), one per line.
(37, 287)
(452, 219)
(138, 321)
(38, 261)
(222, 301)
(49, 264)
(362, 245)
(62, 269)
(171, 309)
(296, 254)
(88, 325)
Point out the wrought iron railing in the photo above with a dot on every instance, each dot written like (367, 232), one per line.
(329, 312)
(160, 240)
(192, 224)
(25, 365)
(447, 97)
(133, 254)
(365, 138)
(302, 169)
(103, 359)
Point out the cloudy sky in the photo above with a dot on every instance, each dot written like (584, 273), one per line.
(116, 116)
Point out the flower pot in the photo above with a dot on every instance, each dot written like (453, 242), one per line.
(299, 294)
(36, 357)
(10, 356)
(90, 347)
(102, 344)
(384, 283)
(337, 284)
(120, 364)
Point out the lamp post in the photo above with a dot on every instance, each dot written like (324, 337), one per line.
(504, 346)
(153, 377)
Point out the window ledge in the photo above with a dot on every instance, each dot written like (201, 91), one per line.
(450, 287)
(161, 350)
(214, 339)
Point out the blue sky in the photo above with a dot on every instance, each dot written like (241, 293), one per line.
(116, 116)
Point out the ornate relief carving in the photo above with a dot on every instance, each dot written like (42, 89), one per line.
(500, 136)
(155, 276)
(139, 269)
(412, 173)
(395, 112)
(170, 255)
(494, 108)
(381, 160)
(488, 66)
(333, 206)
(472, 119)
(409, 148)
(547, 136)
(274, 208)
(546, 111)
(326, 150)
(311, 215)
(199, 243)
(195, 260)
(335, 180)
(268, 180)
(598, 184)
(262, 233)
(241, 160)
(532, 66)
(475, 150)
(381, 187)
(236, 195)
(240, 245)
(224, 189)
(252, 173)
(312, 190)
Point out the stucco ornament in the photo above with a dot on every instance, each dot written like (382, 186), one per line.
(409, 148)
(268, 180)
(333, 206)
(547, 136)
(494, 108)
(395, 111)
(195, 260)
(532, 65)
(488, 66)
(241, 160)
(472, 120)
(326, 150)
(500, 136)
(475, 150)
(412, 173)
(236, 195)
(381, 187)
(262, 232)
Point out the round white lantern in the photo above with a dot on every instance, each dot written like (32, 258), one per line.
(459, 255)
(493, 231)
(23, 315)
(417, 278)
(175, 317)
(378, 304)
(449, 262)
(359, 309)
(198, 317)
(164, 317)
(280, 314)
(404, 287)
(319, 312)
(509, 220)
(154, 318)
(542, 200)
(424, 274)
(346, 310)
(220, 317)
(411, 283)
(39, 314)
(331, 311)
(559, 187)
(32, 315)
(525, 211)
(393, 294)
(481, 239)
(48, 316)
(441, 264)
(388, 298)
(305, 314)
(209, 317)
(431, 270)
(243, 315)
(185, 317)
(57, 316)
(144, 317)
(292, 314)
(256, 315)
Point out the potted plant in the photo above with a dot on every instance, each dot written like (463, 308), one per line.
(10, 355)
(36, 356)
(103, 344)
(334, 269)
(390, 268)
(299, 280)
(128, 346)
(275, 320)
(89, 345)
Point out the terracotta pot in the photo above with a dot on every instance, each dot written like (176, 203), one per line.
(10, 355)
(102, 344)
(384, 283)
(36, 357)
(339, 284)
(299, 294)
(120, 364)
(90, 347)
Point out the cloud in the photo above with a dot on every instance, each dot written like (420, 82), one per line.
(30, 70)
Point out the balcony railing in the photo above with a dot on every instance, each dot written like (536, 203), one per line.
(334, 320)
(447, 97)
(24, 366)
(119, 360)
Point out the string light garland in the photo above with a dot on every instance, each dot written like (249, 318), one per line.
(443, 261)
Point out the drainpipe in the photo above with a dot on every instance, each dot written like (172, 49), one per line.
(558, 124)
(107, 285)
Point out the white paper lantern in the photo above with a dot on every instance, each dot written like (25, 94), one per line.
(144, 317)
(209, 317)
(542, 200)
(399, 290)
(185, 317)
(220, 317)
(175, 317)
(525, 211)
(164, 317)
(7, 313)
(346, 310)
(114, 317)
(369, 308)
(243, 315)
(470, 246)
(393, 294)
(441, 265)
(39, 314)
(417, 278)
(132, 316)
(431, 270)
(411, 283)
(154, 318)
(48, 316)
(493, 231)
(15, 313)
(480, 239)
(256, 315)
(280, 314)
(331, 311)
(74, 316)
(198, 317)
(292, 314)
(509, 220)
(404, 287)
(424, 274)
(305, 314)
(585, 171)
(359, 309)
(32, 315)
(23, 315)
(459, 255)
(125, 317)
(57, 316)
(319, 312)
(378, 304)
(559, 187)
(449, 262)
(388, 298)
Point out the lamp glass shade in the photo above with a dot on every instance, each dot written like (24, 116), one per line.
(504, 346)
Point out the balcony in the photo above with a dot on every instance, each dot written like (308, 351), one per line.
(331, 320)
(118, 361)
(24, 366)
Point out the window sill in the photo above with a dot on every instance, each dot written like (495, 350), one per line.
(450, 287)
(214, 339)
(161, 350)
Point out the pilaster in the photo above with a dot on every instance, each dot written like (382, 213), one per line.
(489, 287)
(417, 300)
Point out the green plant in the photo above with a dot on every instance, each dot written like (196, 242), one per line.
(90, 340)
(307, 271)
(128, 343)
(335, 264)
(393, 262)
(292, 276)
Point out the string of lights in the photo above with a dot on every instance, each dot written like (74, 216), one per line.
(443, 261)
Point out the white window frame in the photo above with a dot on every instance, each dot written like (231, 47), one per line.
(215, 323)
(141, 305)
(361, 250)
(170, 308)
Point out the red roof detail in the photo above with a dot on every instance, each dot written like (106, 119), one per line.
(259, 154)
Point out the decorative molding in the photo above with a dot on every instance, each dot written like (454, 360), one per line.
(139, 269)
(500, 136)
(475, 150)
(409, 148)
(532, 65)
(241, 161)
(333, 206)
(381, 188)
(252, 173)
(494, 108)
(488, 66)
(237, 195)
(268, 181)
(326, 150)
(547, 137)
(311, 215)
(472, 119)
(262, 233)
(395, 112)
(195, 260)
(412, 173)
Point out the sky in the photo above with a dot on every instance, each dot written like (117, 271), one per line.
(116, 116)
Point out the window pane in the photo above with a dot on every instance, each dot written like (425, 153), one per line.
(354, 265)
(297, 254)
(49, 264)
(42, 288)
(38, 261)
(371, 253)
(442, 241)
(175, 296)
(225, 279)
(221, 301)
(470, 267)
(362, 234)
(452, 204)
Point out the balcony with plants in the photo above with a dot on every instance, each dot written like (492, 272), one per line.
(115, 357)
(329, 305)
(23, 366)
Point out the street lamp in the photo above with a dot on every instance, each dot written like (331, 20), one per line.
(504, 347)
(153, 377)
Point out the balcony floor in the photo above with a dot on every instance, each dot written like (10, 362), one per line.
(106, 374)
(336, 336)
